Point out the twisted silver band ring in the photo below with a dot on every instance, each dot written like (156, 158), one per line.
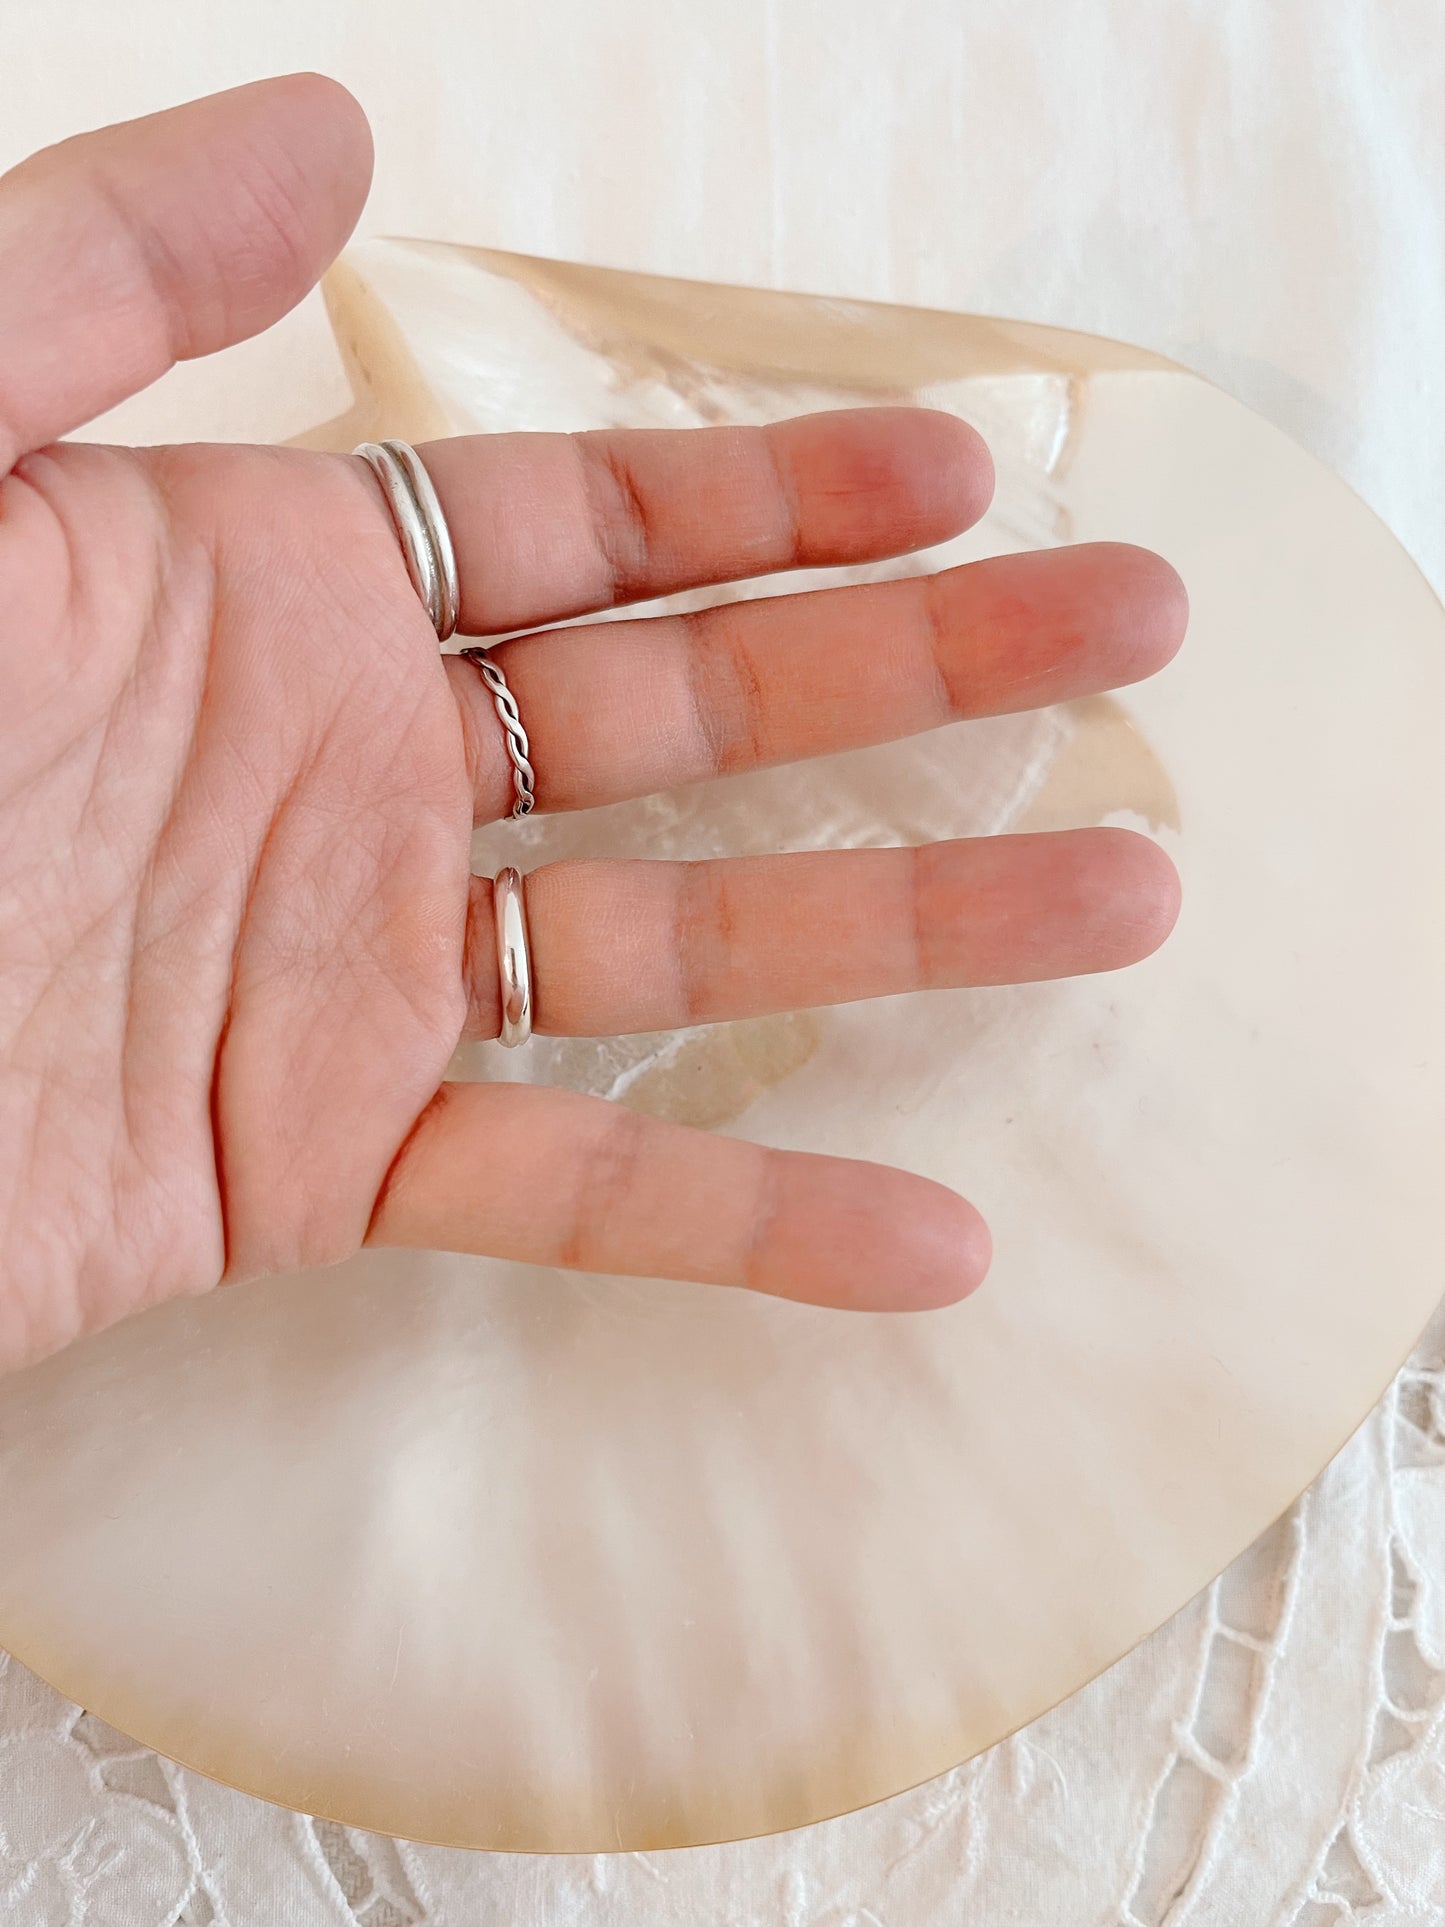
(518, 748)
(514, 956)
(431, 562)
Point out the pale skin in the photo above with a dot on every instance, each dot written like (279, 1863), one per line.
(239, 936)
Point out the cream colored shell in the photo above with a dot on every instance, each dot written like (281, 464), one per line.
(493, 1556)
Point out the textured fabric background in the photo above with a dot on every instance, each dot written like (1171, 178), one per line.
(1256, 190)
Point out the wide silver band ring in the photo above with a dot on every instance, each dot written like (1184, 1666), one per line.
(514, 956)
(431, 562)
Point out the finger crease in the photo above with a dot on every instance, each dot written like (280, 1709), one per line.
(605, 1182)
(619, 519)
(727, 693)
(938, 643)
(792, 511)
(704, 930)
(690, 635)
(767, 1199)
(156, 262)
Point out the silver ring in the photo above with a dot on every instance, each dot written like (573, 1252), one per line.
(518, 748)
(514, 956)
(426, 541)
(431, 562)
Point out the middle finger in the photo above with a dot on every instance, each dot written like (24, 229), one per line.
(619, 709)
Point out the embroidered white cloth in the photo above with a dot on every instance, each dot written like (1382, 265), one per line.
(1258, 191)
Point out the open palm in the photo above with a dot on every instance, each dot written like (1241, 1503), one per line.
(239, 939)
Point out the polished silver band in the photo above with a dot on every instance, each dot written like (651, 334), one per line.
(431, 562)
(426, 541)
(514, 956)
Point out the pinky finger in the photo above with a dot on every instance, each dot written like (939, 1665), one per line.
(557, 1178)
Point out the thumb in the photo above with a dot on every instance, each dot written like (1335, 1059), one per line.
(160, 239)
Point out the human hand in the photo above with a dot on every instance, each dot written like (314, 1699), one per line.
(239, 940)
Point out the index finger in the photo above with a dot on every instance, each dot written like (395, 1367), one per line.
(547, 526)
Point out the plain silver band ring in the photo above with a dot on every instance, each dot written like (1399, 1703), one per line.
(514, 956)
(426, 541)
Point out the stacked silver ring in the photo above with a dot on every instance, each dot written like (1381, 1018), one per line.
(431, 562)
(426, 541)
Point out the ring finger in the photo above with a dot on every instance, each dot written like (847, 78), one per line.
(636, 946)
